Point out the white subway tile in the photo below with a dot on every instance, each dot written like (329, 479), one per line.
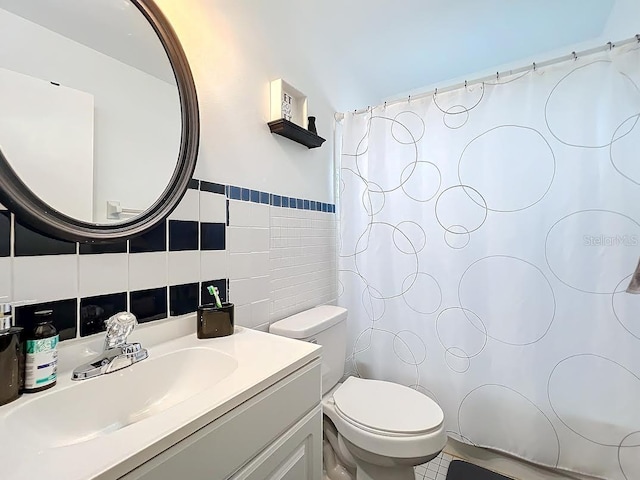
(6, 266)
(246, 265)
(188, 208)
(103, 274)
(240, 213)
(260, 288)
(239, 240)
(263, 328)
(260, 239)
(260, 215)
(260, 312)
(242, 315)
(213, 265)
(184, 267)
(240, 292)
(302, 262)
(45, 278)
(240, 265)
(147, 270)
(213, 207)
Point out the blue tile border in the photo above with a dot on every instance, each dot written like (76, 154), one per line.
(255, 196)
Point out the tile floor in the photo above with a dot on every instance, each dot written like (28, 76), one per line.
(436, 469)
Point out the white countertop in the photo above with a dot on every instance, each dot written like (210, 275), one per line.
(263, 360)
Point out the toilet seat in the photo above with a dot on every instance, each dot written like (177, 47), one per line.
(387, 408)
(373, 416)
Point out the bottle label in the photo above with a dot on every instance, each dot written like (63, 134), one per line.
(41, 366)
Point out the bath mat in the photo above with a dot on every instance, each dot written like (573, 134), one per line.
(459, 470)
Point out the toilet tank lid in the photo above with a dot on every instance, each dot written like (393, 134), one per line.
(310, 322)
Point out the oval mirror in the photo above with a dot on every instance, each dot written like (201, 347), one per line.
(98, 117)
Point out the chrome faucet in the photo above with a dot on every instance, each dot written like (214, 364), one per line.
(117, 354)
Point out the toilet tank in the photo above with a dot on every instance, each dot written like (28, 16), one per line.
(325, 325)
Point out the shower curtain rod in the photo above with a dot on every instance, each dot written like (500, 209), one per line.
(572, 56)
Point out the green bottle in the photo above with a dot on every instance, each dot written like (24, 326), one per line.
(41, 365)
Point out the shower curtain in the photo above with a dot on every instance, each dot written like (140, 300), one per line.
(488, 237)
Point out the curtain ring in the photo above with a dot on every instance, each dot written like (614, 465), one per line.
(497, 75)
(611, 45)
(575, 56)
(465, 84)
(534, 66)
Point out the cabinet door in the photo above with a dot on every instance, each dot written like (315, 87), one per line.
(297, 455)
(230, 443)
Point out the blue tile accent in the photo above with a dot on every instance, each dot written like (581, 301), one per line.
(183, 299)
(234, 193)
(265, 198)
(212, 187)
(194, 184)
(154, 240)
(95, 310)
(212, 236)
(206, 297)
(227, 212)
(183, 235)
(29, 243)
(93, 248)
(148, 305)
(64, 316)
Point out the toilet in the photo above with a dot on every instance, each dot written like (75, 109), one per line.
(373, 430)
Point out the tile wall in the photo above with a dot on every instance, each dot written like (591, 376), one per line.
(271, 255)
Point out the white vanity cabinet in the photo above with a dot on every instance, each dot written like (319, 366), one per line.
(275, 435)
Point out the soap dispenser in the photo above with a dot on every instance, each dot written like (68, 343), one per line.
(11, 356)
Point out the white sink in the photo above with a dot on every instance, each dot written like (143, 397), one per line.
(94, 408)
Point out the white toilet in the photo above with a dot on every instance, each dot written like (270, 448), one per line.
(374, 429)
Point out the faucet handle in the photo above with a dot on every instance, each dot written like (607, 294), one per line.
(119, 327)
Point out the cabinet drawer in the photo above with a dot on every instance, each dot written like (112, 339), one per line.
(218, 450)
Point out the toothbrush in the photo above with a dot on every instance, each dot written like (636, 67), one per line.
(214, 291)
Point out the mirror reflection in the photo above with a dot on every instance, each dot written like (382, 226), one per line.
(88, 105)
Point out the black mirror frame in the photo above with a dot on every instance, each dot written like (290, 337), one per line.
(30, 209)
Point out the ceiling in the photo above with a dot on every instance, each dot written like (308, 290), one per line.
(360, 51)
(375, 49)
(112, 27)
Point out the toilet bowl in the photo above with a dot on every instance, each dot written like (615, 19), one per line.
(376, 430)
(387, 428)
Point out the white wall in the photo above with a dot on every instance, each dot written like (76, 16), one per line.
(50, 129)
(137, 116)
(233, 58)
(623, 22)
